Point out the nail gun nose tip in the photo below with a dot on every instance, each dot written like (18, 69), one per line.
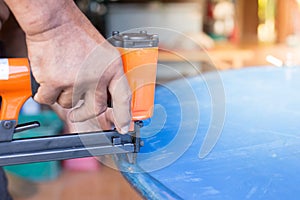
(142, 143)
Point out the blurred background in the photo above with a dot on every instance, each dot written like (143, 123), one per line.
(235, 33)
(204, 35)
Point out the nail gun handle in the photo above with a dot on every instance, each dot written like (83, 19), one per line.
(15, 86)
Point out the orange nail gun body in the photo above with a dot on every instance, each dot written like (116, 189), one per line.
(15, 86)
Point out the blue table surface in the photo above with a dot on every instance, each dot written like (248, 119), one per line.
(257, 155)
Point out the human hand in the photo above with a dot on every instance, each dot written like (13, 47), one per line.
(70, 76)
(71, 65)
(71, 61)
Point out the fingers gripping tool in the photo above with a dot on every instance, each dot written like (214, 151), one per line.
(17, 85)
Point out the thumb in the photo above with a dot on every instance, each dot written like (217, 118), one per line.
(47, 94)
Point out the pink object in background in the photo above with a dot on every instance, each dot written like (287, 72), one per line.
(82, 164)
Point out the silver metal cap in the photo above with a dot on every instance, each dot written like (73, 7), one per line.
(134, 40)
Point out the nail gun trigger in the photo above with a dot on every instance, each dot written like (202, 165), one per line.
(26, 126)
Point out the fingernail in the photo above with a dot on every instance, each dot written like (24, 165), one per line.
(71, 116)
(36, 97)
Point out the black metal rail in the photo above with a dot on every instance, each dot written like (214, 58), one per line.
(39, 149)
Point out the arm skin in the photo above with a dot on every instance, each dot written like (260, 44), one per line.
(72, 61)
(38, 17)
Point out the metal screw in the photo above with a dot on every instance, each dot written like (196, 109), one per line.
(7, 124)
(115, 33)
(139, 123)
(154, 37)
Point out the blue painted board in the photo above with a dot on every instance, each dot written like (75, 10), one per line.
(257, 155)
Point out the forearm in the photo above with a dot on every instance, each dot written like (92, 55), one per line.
(44, 19)
(38, 16)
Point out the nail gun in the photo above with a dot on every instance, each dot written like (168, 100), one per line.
(139, 52)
